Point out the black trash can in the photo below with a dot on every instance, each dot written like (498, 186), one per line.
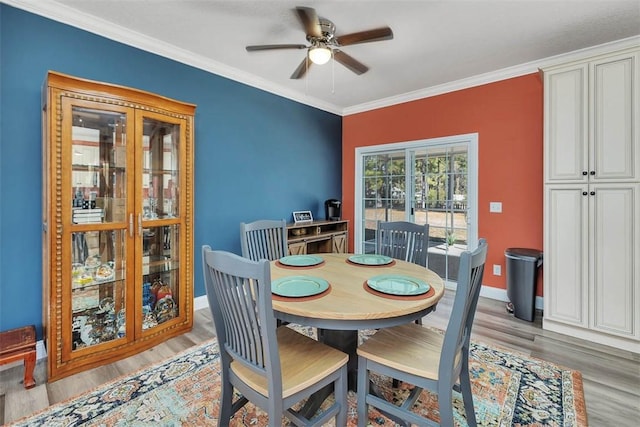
(522, 274)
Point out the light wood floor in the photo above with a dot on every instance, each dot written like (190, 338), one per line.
(611, 377)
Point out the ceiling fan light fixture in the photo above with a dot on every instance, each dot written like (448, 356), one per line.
(324, 45)
(320, 54)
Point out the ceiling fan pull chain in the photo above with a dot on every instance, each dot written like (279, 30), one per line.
(333, 74)
(306, 78)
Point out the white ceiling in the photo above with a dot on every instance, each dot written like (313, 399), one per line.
(437, 45)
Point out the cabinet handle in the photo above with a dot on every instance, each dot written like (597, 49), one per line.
(139, 225)
(130, 225)
(593, 193)
(584, 193)
(584, 173)
(592, 173)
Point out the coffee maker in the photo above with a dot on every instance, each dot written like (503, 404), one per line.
(332, 209)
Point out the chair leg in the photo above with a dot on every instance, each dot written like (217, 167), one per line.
(467, 396)
(226, 401)
(275, 411)
(340, 394)
(445, 403)
(363, 391)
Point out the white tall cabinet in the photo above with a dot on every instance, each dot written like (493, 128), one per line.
(592, 199)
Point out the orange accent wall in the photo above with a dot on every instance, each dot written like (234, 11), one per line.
(508, 118)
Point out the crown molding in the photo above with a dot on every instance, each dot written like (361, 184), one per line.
(69, 16)
(66, 15)
(494, 76)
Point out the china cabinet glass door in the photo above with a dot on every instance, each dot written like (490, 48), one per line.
(158, 189)
(96, 188)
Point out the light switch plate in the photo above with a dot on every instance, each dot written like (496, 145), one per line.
(495, 207)
(497, 270)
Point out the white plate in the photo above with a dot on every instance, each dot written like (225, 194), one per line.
(299, 286)
(393, 284)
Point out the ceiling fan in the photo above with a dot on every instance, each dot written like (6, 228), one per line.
(324, 44)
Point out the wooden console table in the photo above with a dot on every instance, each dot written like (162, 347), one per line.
(20, 344)
(318, 237)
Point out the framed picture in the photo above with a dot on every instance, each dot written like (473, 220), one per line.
(302, 216)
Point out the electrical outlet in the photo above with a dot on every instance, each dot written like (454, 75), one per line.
(495, 207)
(497, 270)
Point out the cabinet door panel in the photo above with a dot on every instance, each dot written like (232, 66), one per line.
(97, 292)
(566, 125)
(97, 315)
(160, 179)
(299, 248)
(614, 144)
(614, 216)
(98, 184)
(339, 243)
(162, 170)
(566, 254)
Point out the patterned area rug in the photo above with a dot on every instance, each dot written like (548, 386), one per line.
(509, 389)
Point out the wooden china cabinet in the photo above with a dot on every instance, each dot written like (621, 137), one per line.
(117, 221)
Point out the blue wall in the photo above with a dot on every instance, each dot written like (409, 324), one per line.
(257, 155)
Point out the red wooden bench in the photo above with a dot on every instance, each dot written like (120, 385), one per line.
(17, 344)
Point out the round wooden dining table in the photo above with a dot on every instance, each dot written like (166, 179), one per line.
(349, 304)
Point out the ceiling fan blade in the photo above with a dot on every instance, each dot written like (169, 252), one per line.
(350, 62)
(302, 69)
(310, 21)
(375, 35)
(275, 46)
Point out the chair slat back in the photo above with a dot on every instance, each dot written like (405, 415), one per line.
(458, 333)
(403, 240)
(264, 239)
(239, 295)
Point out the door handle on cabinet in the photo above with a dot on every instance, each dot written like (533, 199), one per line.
(130, 225)
(584, 173)
(139, 225)
(593, 193)
(592, 173)
(584, 193)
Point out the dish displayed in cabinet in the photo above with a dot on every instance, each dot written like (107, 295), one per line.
(105, 272)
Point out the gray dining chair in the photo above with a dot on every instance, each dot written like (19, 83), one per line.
(403, 240)
(274, 368)
(424, 357)
(264, 239)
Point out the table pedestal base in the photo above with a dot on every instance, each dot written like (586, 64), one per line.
(346, 341)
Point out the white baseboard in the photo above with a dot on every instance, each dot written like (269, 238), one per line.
(201, 302)
(41, 350)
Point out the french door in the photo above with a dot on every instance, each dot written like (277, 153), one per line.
(430, 181)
